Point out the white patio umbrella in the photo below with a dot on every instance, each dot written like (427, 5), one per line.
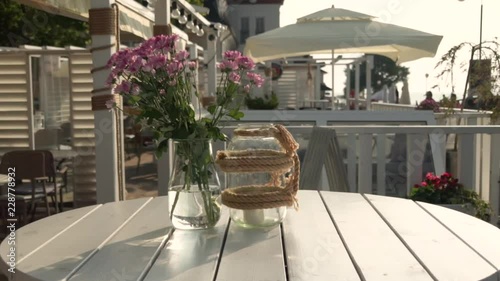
(342, 31)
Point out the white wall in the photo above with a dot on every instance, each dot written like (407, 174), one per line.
(270, 12)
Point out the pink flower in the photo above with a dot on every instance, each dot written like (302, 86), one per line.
(423, 184)
(245, 63)
(136, 63)
(123, 87)
(430, 176)
(255, 79)
(182, 55)
(174, 68)
(143, 51)
(119, 60)
(192, 65)
(234, 77)
(246, 88)
(232, 55)
(437, 183)
(135, 89)
(155, 62)
(227, 66)
(446, 175)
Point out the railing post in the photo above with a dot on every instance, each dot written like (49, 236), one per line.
(381, 160)
(494, 192)
(365, 164)
(351, 162)
(467, 160)
(356, 86)
(415, 156)
(438, 147)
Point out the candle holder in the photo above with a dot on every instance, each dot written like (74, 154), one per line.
(262, 174)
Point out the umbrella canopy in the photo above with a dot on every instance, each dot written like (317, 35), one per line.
(343, 31)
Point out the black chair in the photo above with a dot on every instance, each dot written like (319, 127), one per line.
(38, 167)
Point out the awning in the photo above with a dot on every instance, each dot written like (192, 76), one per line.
(135, 19)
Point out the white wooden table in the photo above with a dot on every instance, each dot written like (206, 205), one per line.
(334, 236)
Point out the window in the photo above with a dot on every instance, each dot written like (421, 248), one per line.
(244, 29)
(259, 25)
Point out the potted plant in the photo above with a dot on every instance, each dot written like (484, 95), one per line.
(265, 102)
(446, 191)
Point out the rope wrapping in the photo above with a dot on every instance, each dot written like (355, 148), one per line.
(276, 163)
(257, 197)
(102, 21)
(162, 29)
(253, 161)
(99, 101)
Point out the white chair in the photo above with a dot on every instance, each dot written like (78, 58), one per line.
(323, 151)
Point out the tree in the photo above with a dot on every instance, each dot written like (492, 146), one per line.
(23, 25)
(385, 72)
(483, 81)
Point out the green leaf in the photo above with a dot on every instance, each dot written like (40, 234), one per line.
(239, 115)
(211, 109)
(162, 147)
(236, 114)
(134, 99)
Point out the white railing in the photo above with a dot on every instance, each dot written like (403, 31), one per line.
(374, 164)
(374, 154)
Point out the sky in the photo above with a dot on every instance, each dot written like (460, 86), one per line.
(457, 21)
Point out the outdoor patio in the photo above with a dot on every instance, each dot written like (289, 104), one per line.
(349, 166)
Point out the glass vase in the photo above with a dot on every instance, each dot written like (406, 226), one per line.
(254, 218)
(194, 187)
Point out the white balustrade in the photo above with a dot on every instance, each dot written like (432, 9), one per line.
(367, 152)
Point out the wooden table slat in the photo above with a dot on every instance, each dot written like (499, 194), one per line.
(442, 252)
(333, 236)
(252, 254)
(75, 244)
(378, 252)
(34, 235)
(476, 233)
(190, 255)
(314, 249)
(127, 254)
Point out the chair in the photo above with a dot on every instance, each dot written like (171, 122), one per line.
(318, 155)
(48, 138)
(141, 142)
(38, 167)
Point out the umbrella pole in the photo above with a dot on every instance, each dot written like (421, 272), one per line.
(333, 79)
(368, 82)
(356, 85)
(348, 86)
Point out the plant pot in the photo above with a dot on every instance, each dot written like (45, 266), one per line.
(194, 188)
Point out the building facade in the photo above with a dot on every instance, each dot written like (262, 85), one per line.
(251, 17)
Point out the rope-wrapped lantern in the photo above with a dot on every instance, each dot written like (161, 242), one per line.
(262, 174)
